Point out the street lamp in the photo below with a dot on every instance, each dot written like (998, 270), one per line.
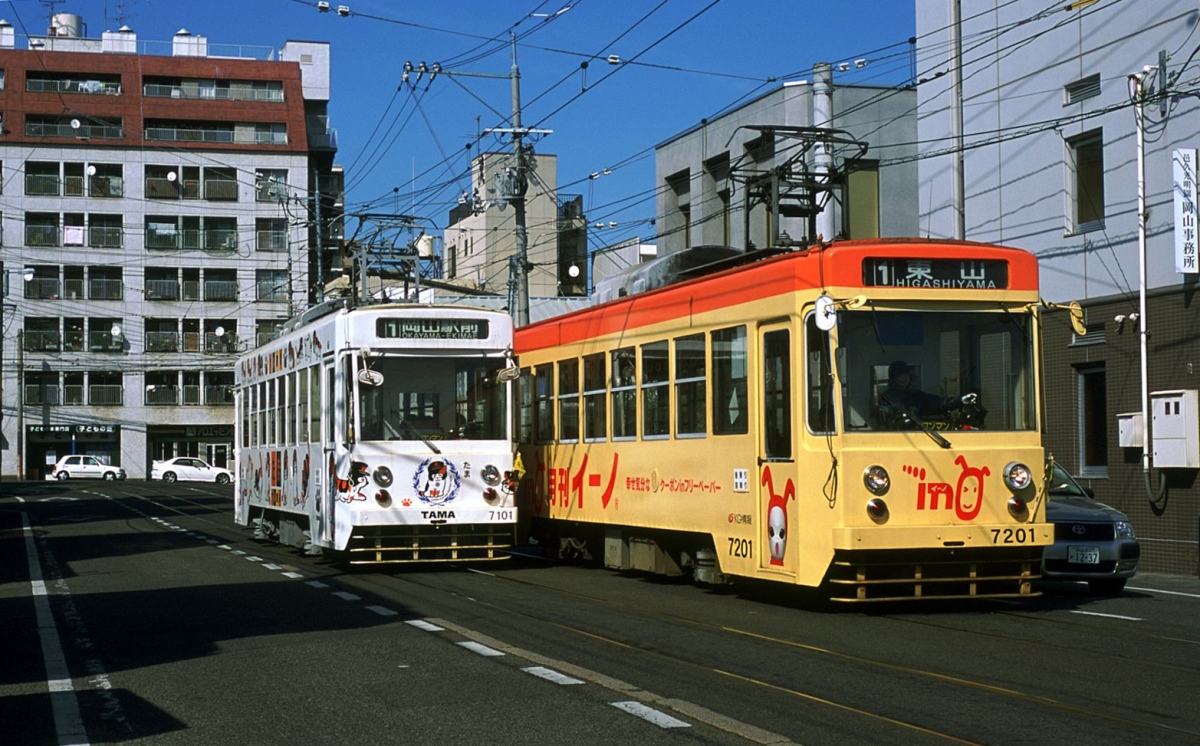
(26, 275)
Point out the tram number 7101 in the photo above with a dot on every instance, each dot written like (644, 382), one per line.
(1013, 536)
(501, 515)
(741, 548)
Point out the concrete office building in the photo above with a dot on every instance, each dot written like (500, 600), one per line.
(1050, 164)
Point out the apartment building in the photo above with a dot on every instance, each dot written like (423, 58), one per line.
(157, 220)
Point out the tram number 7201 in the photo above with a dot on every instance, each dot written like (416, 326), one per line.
(741, 548)
(1013, 536)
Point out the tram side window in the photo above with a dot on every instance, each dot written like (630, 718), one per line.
(252, 408)
(777, 394)
(656, 391)
(595, 393)
(330, 380)
(302, 398)
(272, 412)
(624, 394)
(729, 381)
(245, 403)
(289, 409)
(820, 380)
(314, 387)
(691, 411)
(524, 411)
(568, 400)
(545, 403)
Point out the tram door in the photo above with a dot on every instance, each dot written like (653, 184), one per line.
(776, 458)
(327, 499)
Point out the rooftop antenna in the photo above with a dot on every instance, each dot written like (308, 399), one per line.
(52, 6)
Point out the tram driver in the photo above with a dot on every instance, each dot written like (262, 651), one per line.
(901, 399)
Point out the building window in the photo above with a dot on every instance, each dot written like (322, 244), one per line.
(1093, 420)
(270, 184)
(1086, 166)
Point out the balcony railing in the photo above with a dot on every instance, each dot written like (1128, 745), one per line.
(162, 342)
(272, 240)
(37, 393)
(183, 134)
(73, 394)
(73, 288)
(191, 396)
(73, 341)
(212, 239)
(218, 396)
(105, 395)
(105, 237)
(41, 235)
(56, 129)
(192, 290)
(42, 288)
(162, 290)
(66, 85)
(225, 343)
(191, 341)
(221, 189)
(106, 186)
(42, 185)
(219, 290)
(105, 342)
(158, 90)
(100, 289)
(42, 341)
(158, 396)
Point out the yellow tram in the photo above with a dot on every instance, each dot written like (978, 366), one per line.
(862, 416)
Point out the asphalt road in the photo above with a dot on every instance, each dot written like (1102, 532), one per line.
(138, 612)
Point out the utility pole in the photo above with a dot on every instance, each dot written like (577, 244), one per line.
(515, 181)
(956, 122)
(823, 152)
(20, 404)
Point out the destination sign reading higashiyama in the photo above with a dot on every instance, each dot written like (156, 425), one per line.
(952, 274)
(400, 328)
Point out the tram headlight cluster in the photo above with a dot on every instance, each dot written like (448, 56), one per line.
(383, 476)
(877, 480)
(1017, 476)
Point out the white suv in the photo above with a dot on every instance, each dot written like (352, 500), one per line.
(84, 467)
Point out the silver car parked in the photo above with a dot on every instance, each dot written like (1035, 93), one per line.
(1092, 541)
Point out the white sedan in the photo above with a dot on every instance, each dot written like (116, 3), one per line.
(188, 469)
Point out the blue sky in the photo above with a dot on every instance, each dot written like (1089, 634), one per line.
(404, 147)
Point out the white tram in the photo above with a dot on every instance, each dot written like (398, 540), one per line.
(380, 433)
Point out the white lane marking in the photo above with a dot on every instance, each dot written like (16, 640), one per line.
(346, 596)
(1108, 616)
(294, 575)
(271, 566)
(549, 674)
(317, 584)
(427, 626)
(238, 552)
(214, 542)
(224, 546)
(68, 722)
(661, 719)
(383, 611)
(480, 648)
(252, 558)
(1169, 593)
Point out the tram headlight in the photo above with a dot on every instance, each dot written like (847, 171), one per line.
(491, 475)
(877, 480)
(491, 496)
(384, 498)
(1017, 476)
(383, 476)
(1018, 508)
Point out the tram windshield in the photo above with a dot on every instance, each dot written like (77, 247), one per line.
(936, 370)
(433, 399)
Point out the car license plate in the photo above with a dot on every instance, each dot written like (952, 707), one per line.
(1083, 555)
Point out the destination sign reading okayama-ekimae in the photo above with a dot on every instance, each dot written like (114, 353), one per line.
(955, 274)
(394, 328)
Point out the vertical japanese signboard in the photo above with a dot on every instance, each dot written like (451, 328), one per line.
(1184, 163)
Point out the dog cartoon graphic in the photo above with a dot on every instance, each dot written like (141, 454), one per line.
(777, 520)
(436, 476)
